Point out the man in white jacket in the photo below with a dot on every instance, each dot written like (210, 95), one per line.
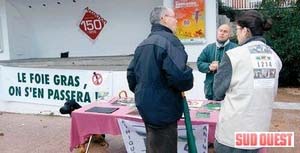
(247, 81)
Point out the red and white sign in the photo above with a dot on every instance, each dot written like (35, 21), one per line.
(264, 139)
(97, 79)
(92, 23)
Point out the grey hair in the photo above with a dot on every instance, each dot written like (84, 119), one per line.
(156, 14)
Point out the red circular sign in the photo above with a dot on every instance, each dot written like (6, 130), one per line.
(97, 79)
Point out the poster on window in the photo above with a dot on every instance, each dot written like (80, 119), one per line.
(190, 16)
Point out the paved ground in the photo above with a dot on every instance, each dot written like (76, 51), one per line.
(21, 133)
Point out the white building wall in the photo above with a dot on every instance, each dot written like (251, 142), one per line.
(56, 26)
(1, 36)
(4, 42)
(42, 32)
(46, 31)
(20, 34)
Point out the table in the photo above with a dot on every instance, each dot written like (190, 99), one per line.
(85, 124)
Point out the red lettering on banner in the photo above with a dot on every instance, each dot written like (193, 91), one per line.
(253, 138)
(290, 137)
(238, 139)
(264, 139)
(246, 139)
(269, 139)
(277, 139)
(92, 23)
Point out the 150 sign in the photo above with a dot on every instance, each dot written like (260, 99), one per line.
(92, 23)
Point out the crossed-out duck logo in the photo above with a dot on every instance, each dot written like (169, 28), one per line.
(264, 139)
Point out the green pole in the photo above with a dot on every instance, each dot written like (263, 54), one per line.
(188, 125)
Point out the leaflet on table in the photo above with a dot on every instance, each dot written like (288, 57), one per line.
(195, 103)
(134, 113)
(123, 101)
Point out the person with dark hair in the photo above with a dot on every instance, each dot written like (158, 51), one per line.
(248, 97)
(157, 75)
(210, 57)
(69, 107)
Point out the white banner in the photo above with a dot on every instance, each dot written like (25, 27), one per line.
(44, 89)
(134, 137)
(54, 86)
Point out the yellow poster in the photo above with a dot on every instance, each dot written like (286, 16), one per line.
(190, 16)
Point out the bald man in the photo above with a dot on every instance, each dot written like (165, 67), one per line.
(211, 56)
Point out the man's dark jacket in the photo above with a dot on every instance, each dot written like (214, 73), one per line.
(157, 75)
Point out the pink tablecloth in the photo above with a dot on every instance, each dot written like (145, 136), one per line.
(86, 123)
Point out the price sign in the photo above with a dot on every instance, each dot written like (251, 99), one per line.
(92, 23)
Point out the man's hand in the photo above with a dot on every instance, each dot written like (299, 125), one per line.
(214, 66)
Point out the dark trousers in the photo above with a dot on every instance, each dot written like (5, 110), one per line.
(161, 139)
(220, 148)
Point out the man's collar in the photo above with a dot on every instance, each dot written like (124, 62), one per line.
(220, 45)
(159, 27)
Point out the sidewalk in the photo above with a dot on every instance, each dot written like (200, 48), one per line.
(21, 133)
(24, 133)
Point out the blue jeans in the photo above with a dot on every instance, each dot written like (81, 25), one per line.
(220, 148)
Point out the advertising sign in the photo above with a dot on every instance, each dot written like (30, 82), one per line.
(92, 23)
(190, 16)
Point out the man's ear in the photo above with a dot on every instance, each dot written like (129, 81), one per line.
(162, 20)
